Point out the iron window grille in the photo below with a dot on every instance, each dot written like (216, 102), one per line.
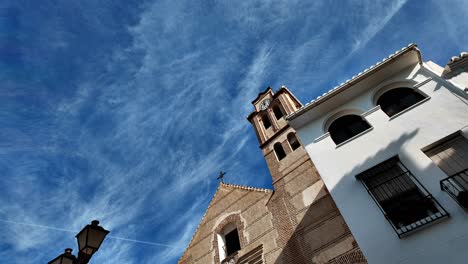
(457, 187)
(405, 203)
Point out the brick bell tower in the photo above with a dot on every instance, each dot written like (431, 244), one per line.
(310, 227)
(277, 139)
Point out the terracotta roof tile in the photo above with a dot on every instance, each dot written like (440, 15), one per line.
(247, 188)
(457, 58)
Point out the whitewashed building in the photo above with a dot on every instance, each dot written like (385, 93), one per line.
(391, 147)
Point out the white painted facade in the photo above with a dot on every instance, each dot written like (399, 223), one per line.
(443, 112)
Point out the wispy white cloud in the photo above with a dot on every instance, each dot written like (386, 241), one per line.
(376, 19)
(451, 18)
(137, 137)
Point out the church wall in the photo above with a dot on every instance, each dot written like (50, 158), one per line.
(307, 202)
(301, 203)
(461, 80)
(257, 224)
(297, 223)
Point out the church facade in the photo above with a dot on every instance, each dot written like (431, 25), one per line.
(297, 222)
(373, 171)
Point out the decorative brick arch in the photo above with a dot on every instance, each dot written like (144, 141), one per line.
(230, 219)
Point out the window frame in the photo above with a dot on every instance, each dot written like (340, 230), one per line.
(456, 182)
(226, 248)
(222, 246)
(426, 195)
(363, 119)
(280, 109)
(425, 98)
(264, 118)
(453, 184)
(276, 153)
(293, 136)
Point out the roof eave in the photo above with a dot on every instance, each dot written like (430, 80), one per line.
(356, 79)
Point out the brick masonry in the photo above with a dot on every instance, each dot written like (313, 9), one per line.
(296, 223)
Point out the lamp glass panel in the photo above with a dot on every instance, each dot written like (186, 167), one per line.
(66, 260)
(95, 237)
(81, 237)
(88, 251)
(62, 260)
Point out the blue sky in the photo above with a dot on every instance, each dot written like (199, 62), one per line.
(125, 112)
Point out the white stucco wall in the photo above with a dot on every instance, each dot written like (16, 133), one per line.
(461, 80)
(444, 113)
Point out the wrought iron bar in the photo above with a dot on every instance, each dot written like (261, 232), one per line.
(456, 186)
(402, 199)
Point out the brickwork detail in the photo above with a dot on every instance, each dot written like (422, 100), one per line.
(353, 257)
(280, 207)
(297, 223)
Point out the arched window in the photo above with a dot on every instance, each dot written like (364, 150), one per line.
(293, 142)
(278, 112)
(397, 100)
(266, 121)
(232, 242)
(279, 151)
(347, 127)
(228, 241)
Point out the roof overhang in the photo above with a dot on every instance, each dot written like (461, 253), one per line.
(400, 60)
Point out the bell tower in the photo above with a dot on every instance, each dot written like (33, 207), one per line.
(302, 208)
(277, 139)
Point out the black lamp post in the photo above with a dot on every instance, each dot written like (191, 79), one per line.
(89, 240)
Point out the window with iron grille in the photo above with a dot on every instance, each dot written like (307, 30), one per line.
(451, 156)
(406, 204)
(457, 187)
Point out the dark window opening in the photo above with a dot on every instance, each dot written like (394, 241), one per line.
(347, 127)
(406, 204)
(266, 121)
(279, 151)
(278, 112)
(232, 242)
(397, 100)
(293, 142)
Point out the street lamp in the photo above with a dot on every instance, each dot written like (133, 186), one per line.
(89, 240)
(65, 258)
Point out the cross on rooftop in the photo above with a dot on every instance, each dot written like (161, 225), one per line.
(221, 176)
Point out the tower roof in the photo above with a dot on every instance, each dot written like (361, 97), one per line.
(282, 89)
